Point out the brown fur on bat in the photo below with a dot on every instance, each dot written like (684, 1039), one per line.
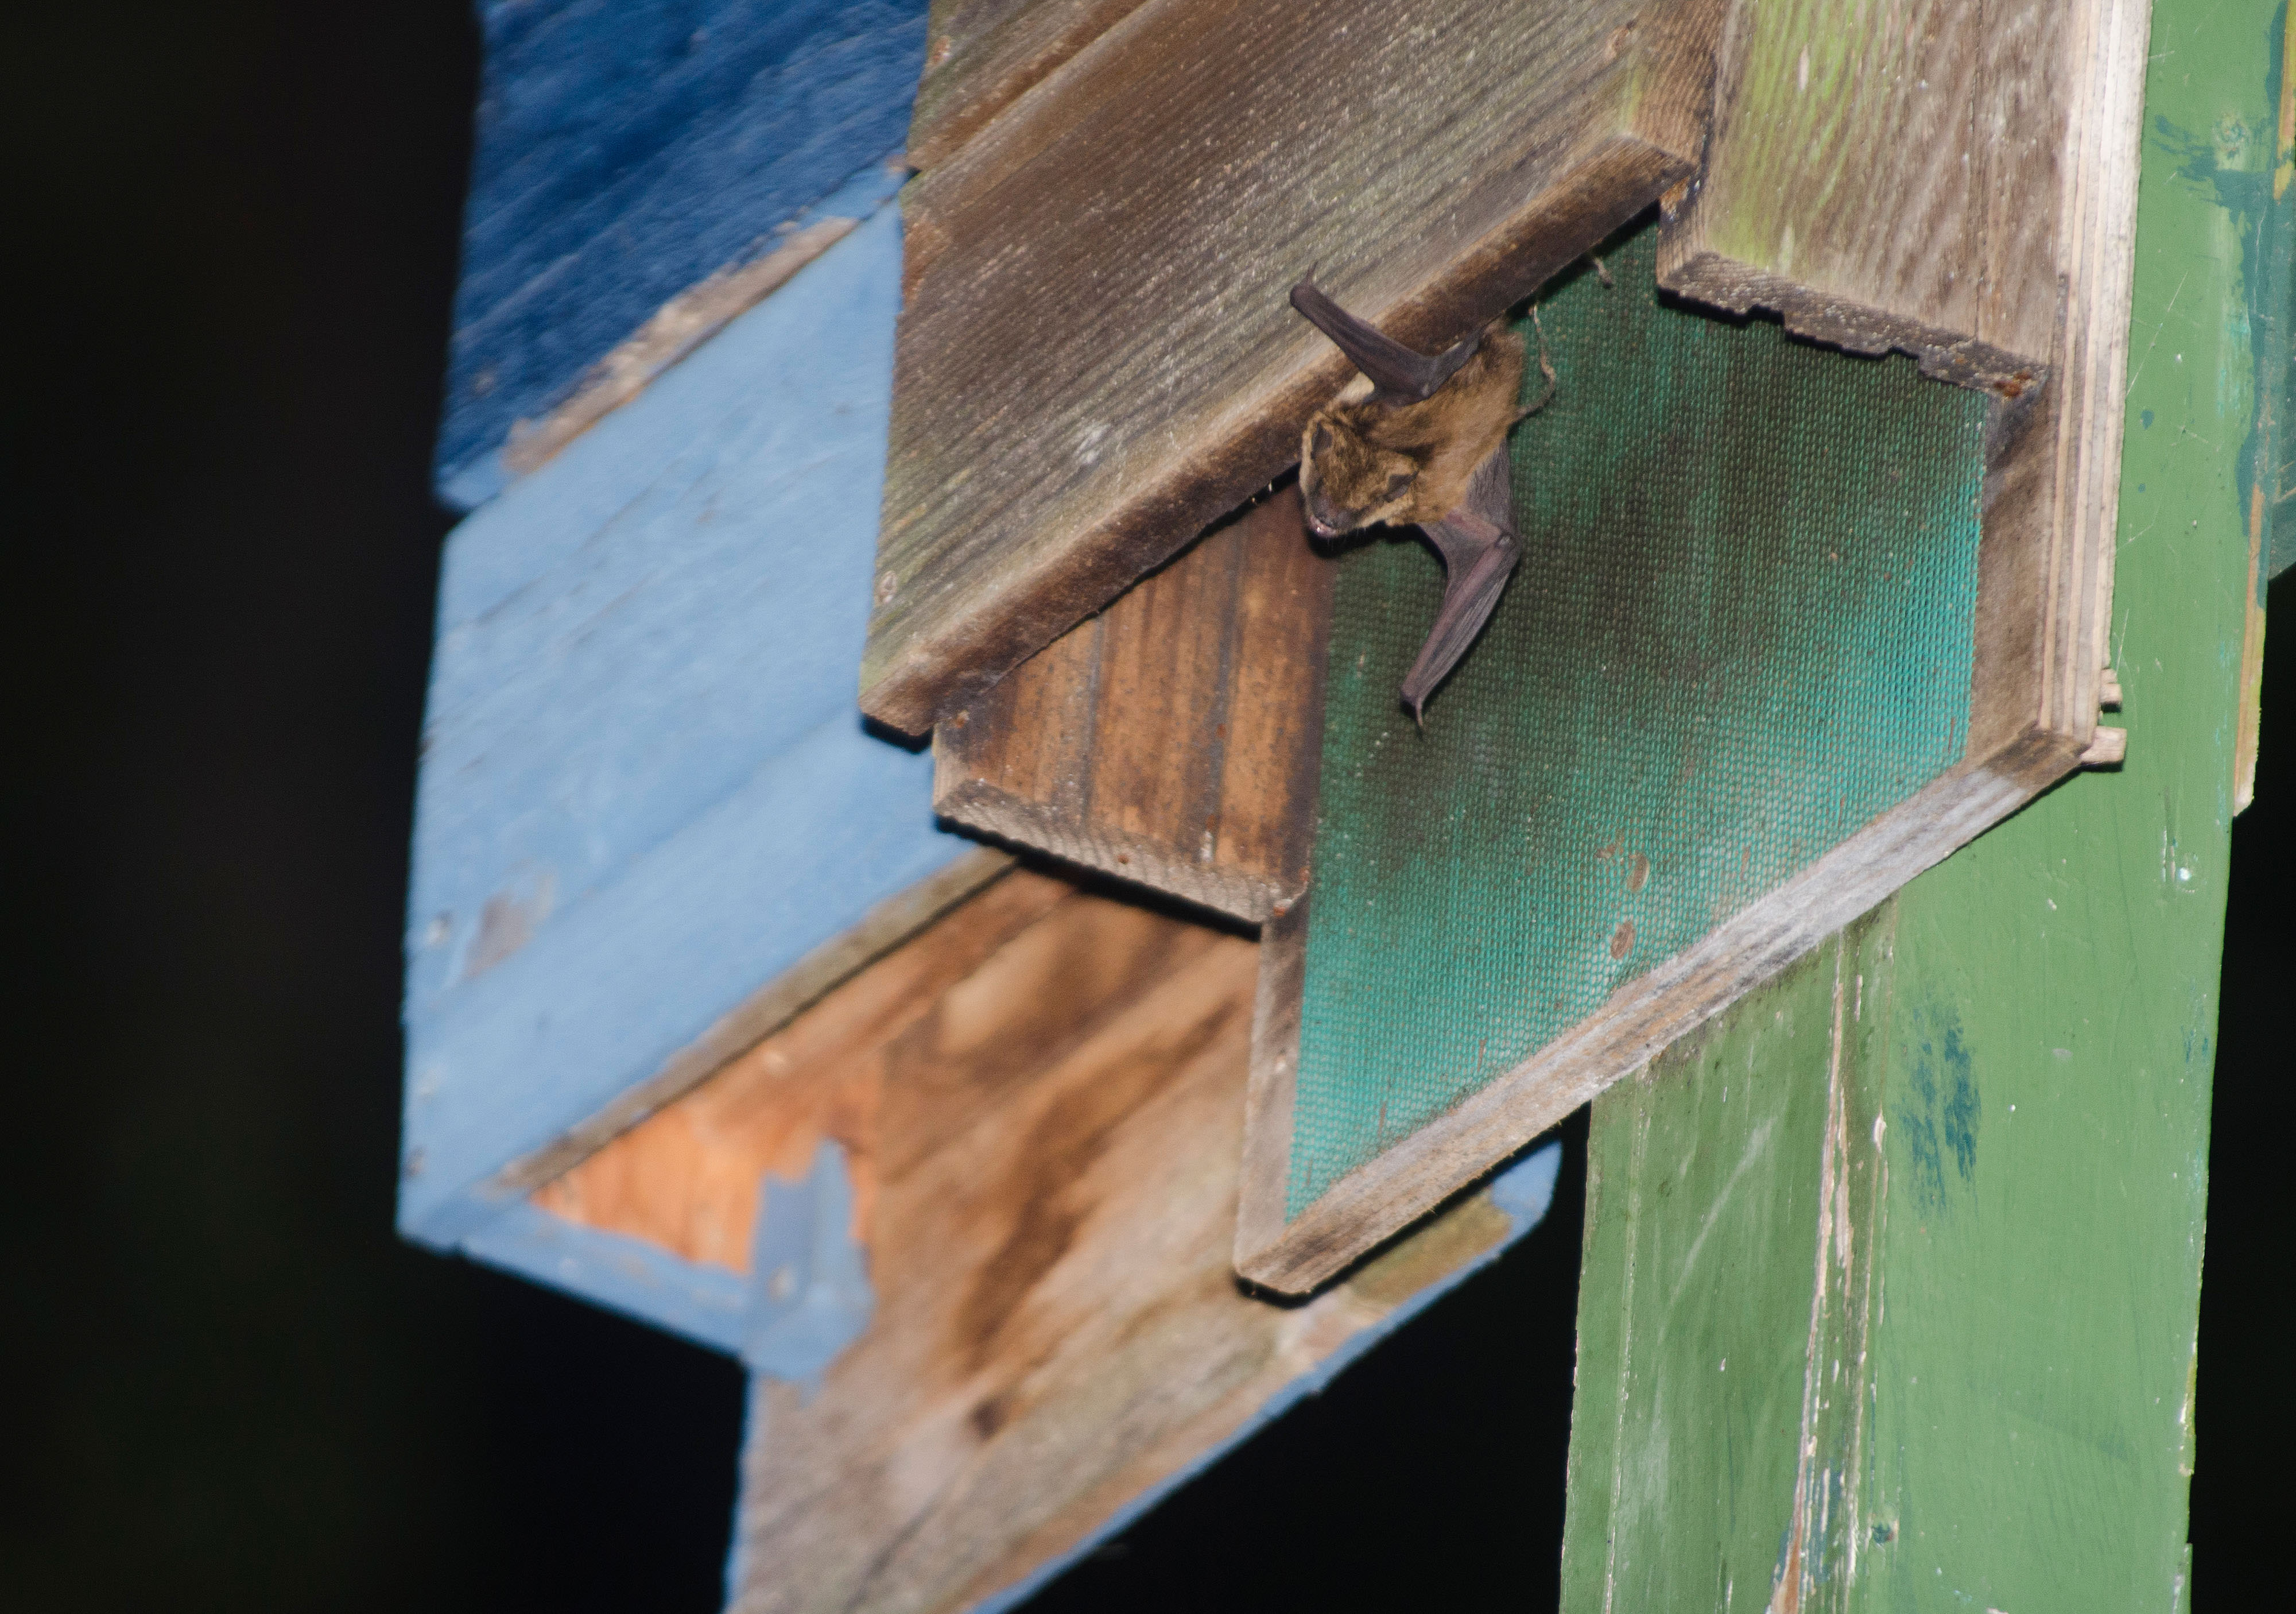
(1420, 440)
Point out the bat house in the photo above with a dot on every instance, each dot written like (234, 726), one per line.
(1793, 620)
(714, 1017)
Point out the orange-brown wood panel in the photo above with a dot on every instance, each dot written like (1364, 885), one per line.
(1041, 1101)
(687, 1178)
(1173, 740)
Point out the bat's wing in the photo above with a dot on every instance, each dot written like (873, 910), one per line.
(1393, 369)
(1478, 545)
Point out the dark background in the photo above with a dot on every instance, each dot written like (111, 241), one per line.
(239, 222)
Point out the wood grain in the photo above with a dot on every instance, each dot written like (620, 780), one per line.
(689, 1183)
(1096, 359)
(1173, 740)
(2045, 592)
(1888, 179)
(1040, 1102)
(982, 55)
(2053, 476)
(626, 155)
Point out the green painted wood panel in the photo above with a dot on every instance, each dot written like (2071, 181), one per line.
(1742, 630)
(1957, 1284)
(1702, 1189)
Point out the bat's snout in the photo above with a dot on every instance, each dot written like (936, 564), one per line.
(1324, 519)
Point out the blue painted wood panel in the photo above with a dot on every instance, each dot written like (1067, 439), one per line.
(698, 1300)
(625, 150)
(645, 789)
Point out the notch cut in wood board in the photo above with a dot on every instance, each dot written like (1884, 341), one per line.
(1852, 686)
(1096, 358)
(1040, 1100)
(1172, 740)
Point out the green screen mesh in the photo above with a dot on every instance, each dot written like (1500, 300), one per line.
(1741, 629)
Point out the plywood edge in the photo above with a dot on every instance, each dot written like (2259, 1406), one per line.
(771, 1005)
(934, 659)
(1140, 860)
(1268, 1090)
(2098, 232)
(1641, 1018)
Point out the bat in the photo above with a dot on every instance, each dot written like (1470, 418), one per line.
(1420, 442)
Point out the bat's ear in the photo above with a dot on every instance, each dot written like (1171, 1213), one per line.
(1393, 368)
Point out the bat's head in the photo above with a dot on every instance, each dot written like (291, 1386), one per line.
(1348, 480)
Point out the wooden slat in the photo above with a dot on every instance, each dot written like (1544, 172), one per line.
(982, 55)
(1096, 358)
(1173, 740)
(604, 883)
(1039, 1102)
(1888, 180)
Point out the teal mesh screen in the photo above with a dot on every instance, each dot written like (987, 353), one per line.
(1740, 629)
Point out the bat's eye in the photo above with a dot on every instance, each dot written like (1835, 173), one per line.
(1321, 443)
(1398, 484)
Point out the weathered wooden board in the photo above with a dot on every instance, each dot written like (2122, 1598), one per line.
(982, 55)
(1891, 180)
(1172, 740)
(1037, 1105)
(1096, 360)
(1825, 810)
(626, 154)
(1962, 1152)
(640, 704)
